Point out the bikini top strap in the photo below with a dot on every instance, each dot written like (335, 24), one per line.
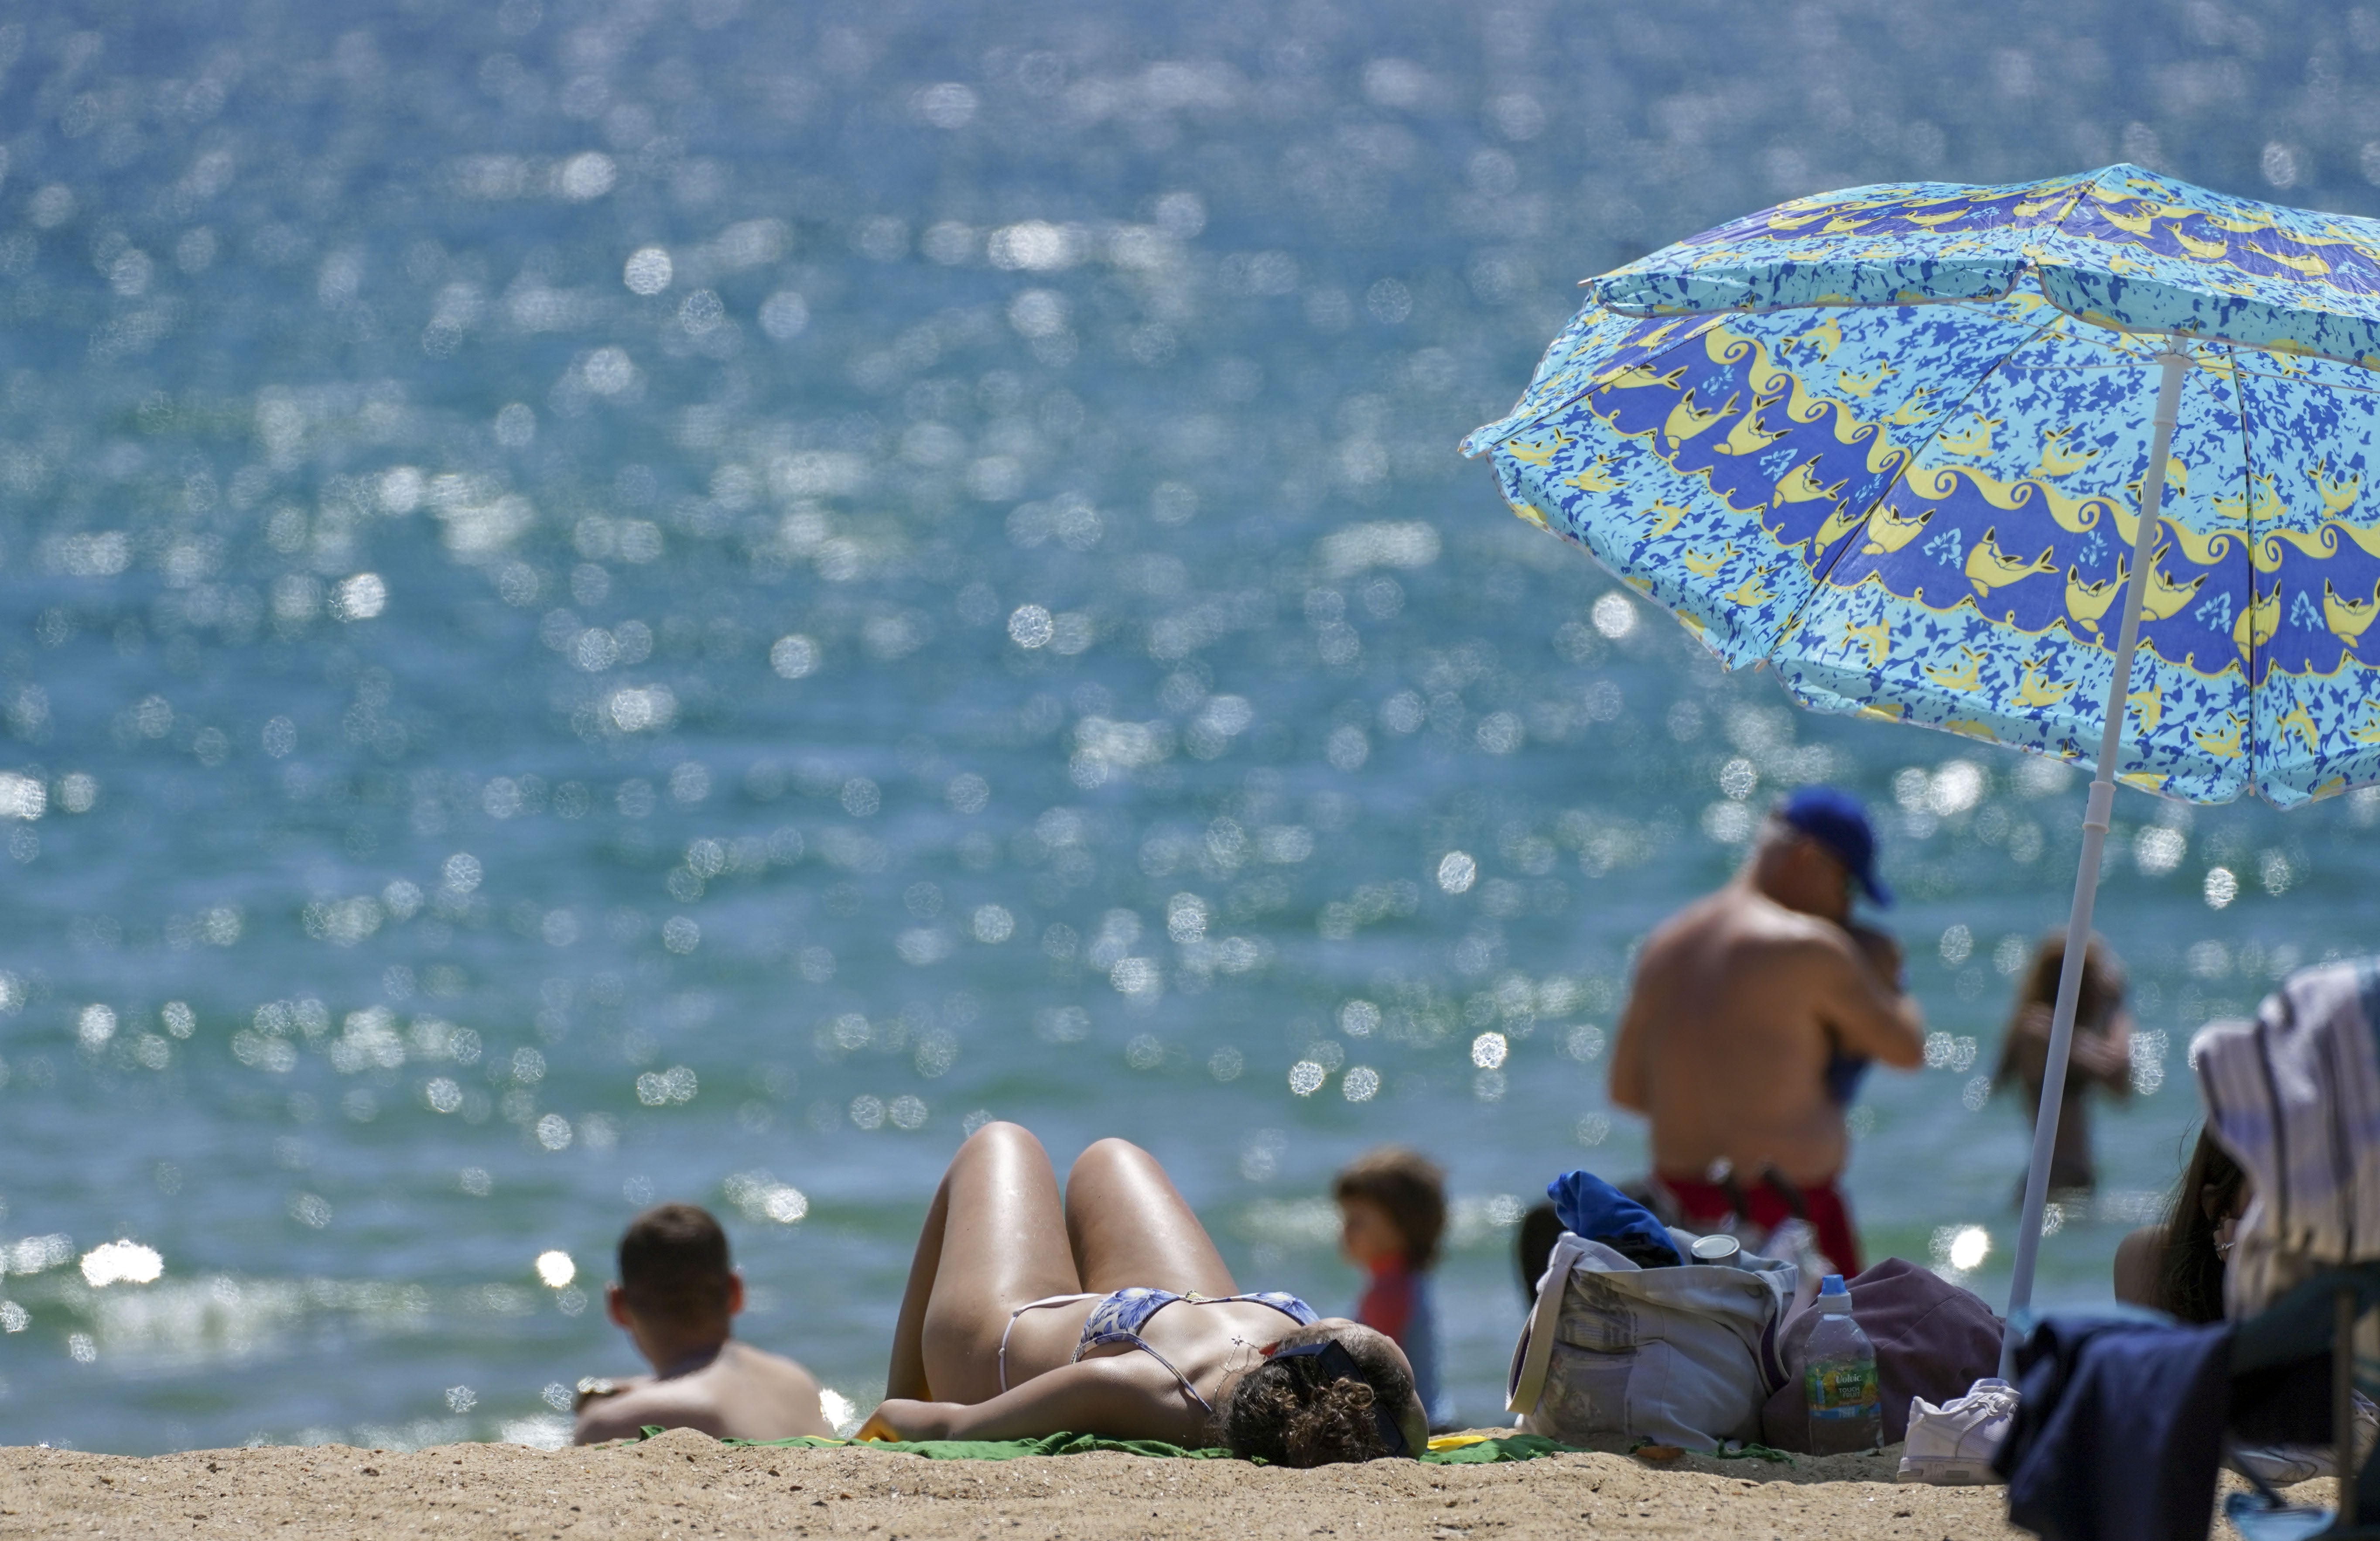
(1279, 1300)
(1030, 1305)
(1051, 1300)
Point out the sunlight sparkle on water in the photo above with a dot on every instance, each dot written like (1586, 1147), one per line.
(842, 1414)
(1969, 1248)
(121, 1263)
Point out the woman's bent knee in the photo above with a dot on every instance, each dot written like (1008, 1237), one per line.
(1111, 1152)
(999, 1138)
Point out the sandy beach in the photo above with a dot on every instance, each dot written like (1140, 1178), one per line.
(684, 1484)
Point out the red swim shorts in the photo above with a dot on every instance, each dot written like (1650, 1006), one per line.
(1706, 1204)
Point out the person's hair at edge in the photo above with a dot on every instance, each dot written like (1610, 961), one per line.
(1409, 1188)
(1288, 1412)
(2191, 1279)
(674, 1264)
(1534, 1242)
(2103, 980)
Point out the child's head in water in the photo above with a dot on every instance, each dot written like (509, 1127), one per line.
(677, 1292)
(2103, 980)
(1391, 1209)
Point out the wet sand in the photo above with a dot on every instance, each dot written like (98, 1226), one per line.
(685, 1484)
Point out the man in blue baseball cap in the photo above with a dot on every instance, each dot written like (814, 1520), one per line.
(1753, 1015)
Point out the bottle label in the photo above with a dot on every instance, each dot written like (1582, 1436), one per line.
(1843, 1392)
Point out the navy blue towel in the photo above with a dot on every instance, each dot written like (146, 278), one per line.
(2120, 1430)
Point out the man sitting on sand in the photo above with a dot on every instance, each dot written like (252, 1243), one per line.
(1753, 1014)
(676, 1297)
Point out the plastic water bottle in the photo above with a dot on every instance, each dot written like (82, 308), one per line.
(1839, 1375)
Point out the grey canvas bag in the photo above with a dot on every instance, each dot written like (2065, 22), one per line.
(1615, 1355)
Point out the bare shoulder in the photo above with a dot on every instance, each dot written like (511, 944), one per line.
(1809, 951)
(775, 1369)
(2139, 1263)
(1813, 937)
(1688, 928)
(668, 1403)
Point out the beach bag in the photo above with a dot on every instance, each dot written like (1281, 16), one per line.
(1932, 1340)
(1614, 1356)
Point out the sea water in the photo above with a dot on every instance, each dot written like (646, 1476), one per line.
(611, 601)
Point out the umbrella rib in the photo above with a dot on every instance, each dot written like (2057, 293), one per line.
(2248, 668)
(2082, 188)
(2327, 384)
(1818, 578)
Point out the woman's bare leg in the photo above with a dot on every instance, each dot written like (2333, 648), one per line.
(907, 1376)
(1129, 1226)
(995, 1240)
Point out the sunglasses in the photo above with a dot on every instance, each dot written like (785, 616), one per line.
(1332, 1359)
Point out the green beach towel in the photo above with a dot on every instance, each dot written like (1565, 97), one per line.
(1464, 1451)
(1501, 1447)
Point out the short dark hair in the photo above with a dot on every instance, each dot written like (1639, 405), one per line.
(674, 1264)
(1410, 1190)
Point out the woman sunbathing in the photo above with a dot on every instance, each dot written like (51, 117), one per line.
(1110, 1312)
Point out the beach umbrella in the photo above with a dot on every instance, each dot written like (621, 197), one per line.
(2084, 467)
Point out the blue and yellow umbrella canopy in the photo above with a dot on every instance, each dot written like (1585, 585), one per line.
(1892, 441)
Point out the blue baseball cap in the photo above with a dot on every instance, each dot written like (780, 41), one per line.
(1835, 820)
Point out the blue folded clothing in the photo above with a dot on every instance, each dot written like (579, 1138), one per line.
(1589, 1207)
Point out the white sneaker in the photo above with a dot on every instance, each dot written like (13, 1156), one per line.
(1952, 1444)
(2280, 1465)
(2286, 1465)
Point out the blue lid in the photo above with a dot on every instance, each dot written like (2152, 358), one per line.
(1833, 1285)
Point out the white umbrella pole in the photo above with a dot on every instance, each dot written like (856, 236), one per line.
(2094, 840)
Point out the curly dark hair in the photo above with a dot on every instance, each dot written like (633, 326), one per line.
(1288, 1412)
